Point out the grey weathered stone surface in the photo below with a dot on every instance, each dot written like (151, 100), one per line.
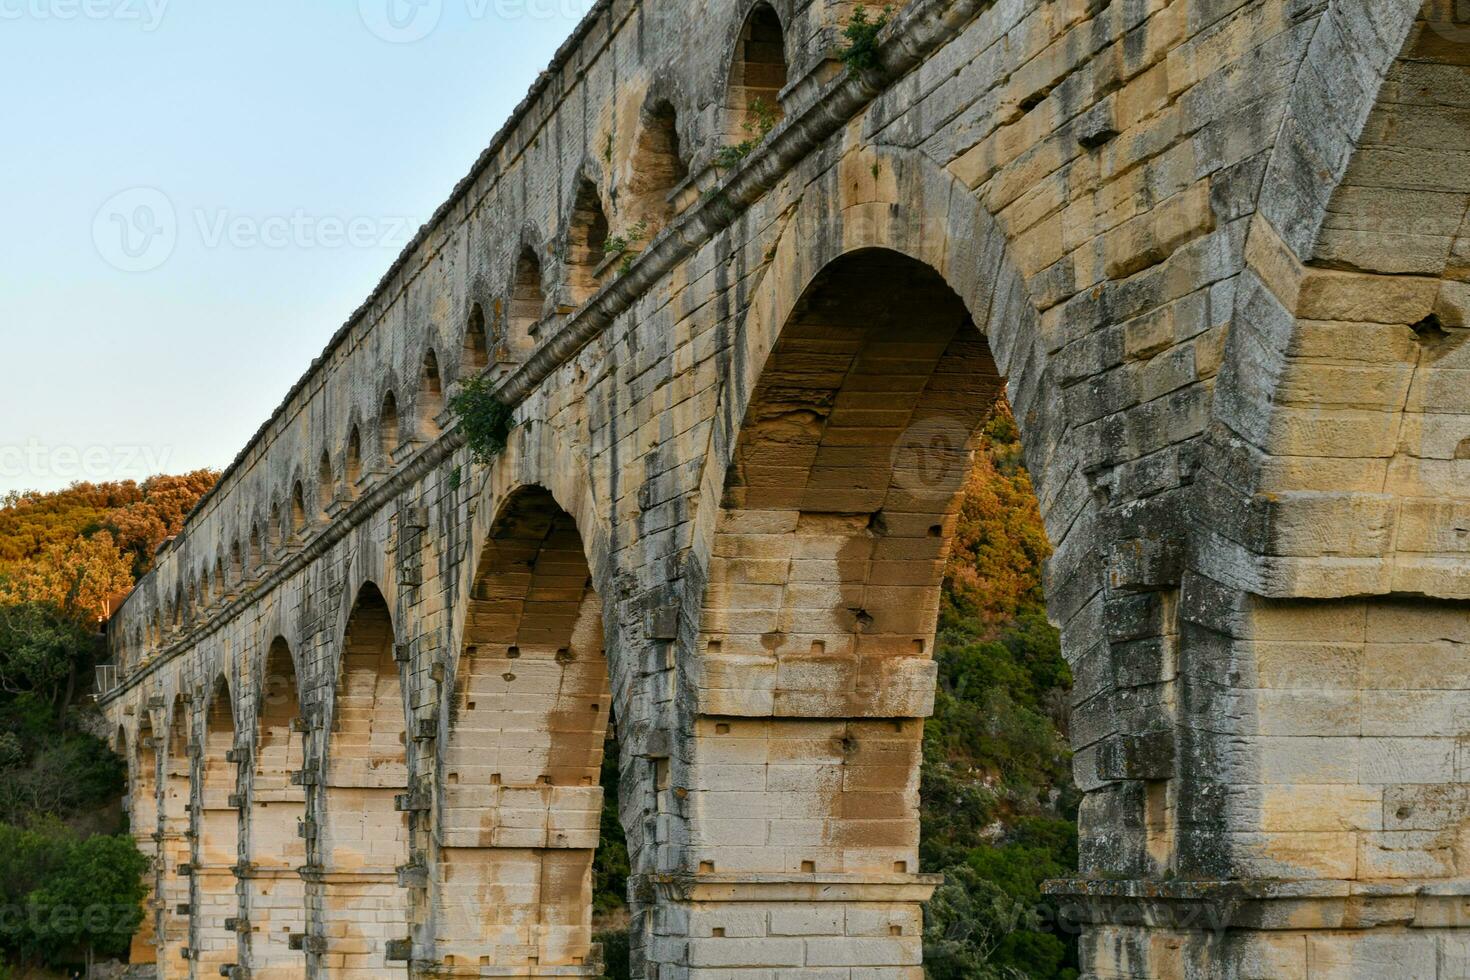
(1218, 254)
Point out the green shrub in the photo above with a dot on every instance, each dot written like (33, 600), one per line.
(484, 419)
(861, 52)
(62, 895)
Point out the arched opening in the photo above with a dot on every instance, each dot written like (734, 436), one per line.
(528, 720)
(205, 592)
(325, 491)
(816, 639)
(475, 356)
(431, 398)
(853, 453)
(527, 304)
(658, 167)
(143, 824)
(364, 835)
(298, 512)
(757, 76)
(277, 848)
(352, 473)
(388, 429)
(256, 558)
(219, 836)
(277, 532)
(174, 851)
(586, 242)
(221, 584)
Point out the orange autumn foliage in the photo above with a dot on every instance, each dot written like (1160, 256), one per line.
(79, 547)
(995, 563)
(164, 501)
(79, 575)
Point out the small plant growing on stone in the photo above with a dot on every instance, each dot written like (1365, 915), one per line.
(619, 244)
(483, 418)
(762, 118)
(861, 53)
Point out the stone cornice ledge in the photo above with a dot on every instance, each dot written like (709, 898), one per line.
(1261, 903)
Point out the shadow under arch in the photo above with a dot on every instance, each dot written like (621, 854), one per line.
(276, 849)
(363, 838)
(528, 717)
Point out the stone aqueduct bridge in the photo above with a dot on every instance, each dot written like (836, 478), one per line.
(1216, 254)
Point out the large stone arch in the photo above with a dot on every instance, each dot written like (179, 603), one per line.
(527, 703)
(539, 454)
(1320, 619)
(869, 357)
(143, 822)
(275, 907)
(362, 834)
(882, 197)
(1337, 406)
(176, 803)
(218, 821)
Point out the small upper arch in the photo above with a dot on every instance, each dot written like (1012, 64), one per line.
(587, 232)
(659, 164)
(430, 404)
(758, 73)
(388, 433)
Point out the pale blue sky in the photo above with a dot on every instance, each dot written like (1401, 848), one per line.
(297, 146)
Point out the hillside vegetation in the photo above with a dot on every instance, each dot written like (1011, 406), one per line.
(71, 879)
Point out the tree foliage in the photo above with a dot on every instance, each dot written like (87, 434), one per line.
(80, 547)
(997, 802)
(80, 576)
(63, 556)
(41, 648)
(483, 418)
(994, 571)
(62, 894)
(158, 514)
